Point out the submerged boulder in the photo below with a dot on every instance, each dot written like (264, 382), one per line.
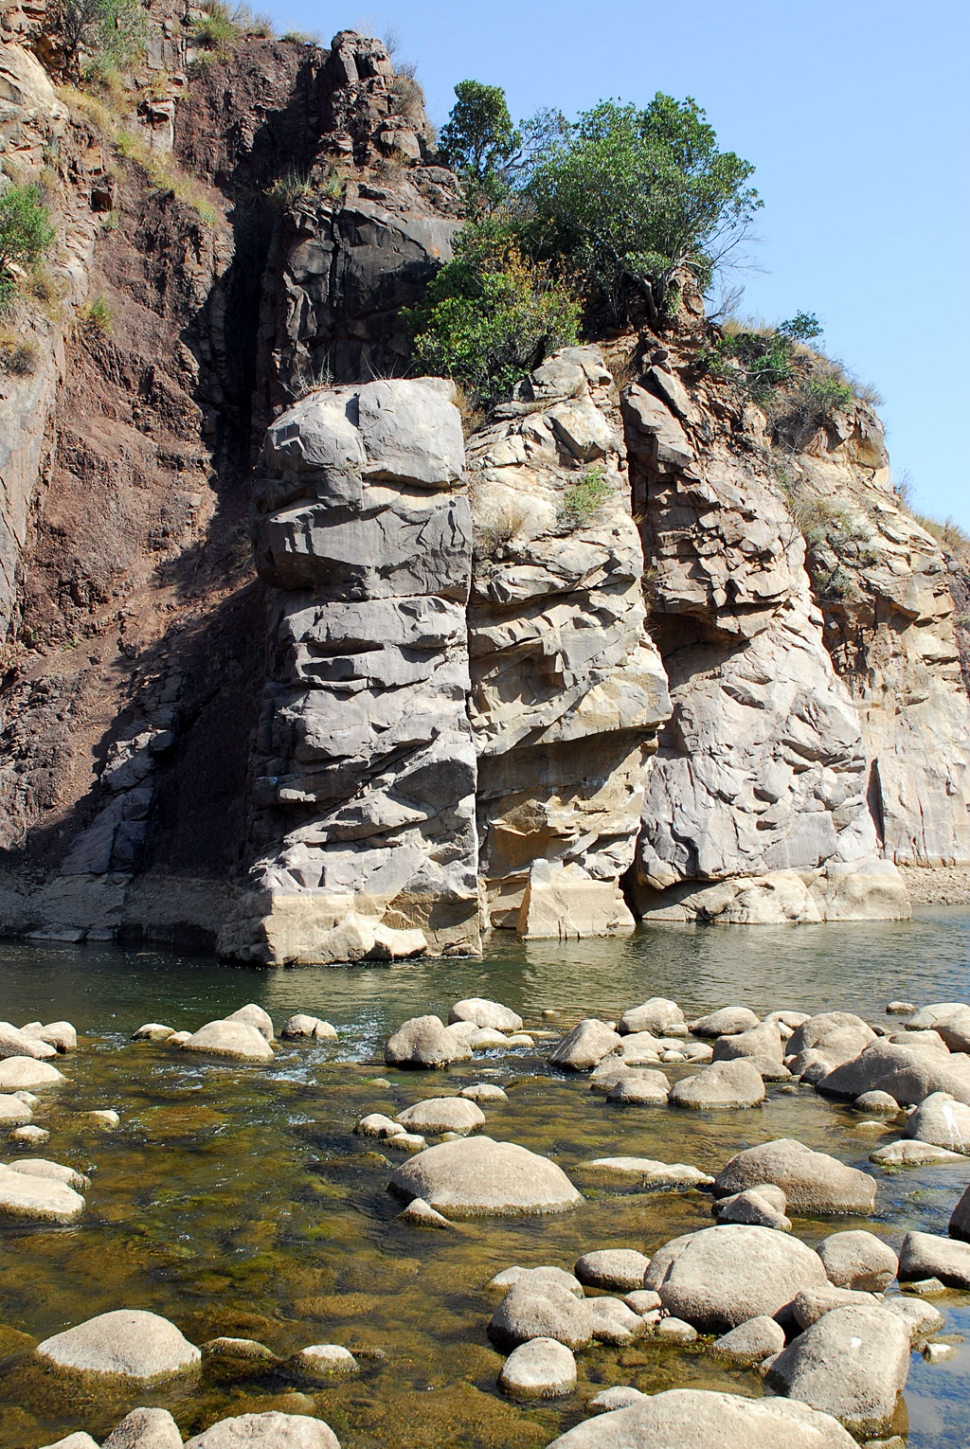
(478, 1177)
(126, 1343)
(237, 1040)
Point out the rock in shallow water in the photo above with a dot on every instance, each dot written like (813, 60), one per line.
(37, 1199)
(485, 1013)
(478, 1177)
(585, 1046)
(912, 1154)
(941, 1120)
(237, 1040)
(442, 1114)
(543, 1368)
(751, 1342)
(648, 1172)
(125, 1343)
(720, 1277)
(813, 1182)
(618, 1270)
(811, 1304)
(13, 1111)
(537, 1309)
(313, 1027)
(759, 1207)
(145, 1429)
(858, 1260)
(852, 1364)
(267, 1431)
(701, 1419)
(425, 1041)
(728, 1021)
(723, 1085)
(924, 1255)
(658, 1015)
(543, 1274)
(27, 1074)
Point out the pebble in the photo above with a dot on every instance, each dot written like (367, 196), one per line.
(937, 1352)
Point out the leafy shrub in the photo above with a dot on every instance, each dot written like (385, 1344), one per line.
(215, 30)
(489, 153)
(114, 31)
(816, 400)
(631, 198)
(25, 232)
(490, 315)
(582, 500)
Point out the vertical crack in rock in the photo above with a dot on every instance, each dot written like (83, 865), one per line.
(568, 690)
(759, 786)
(364, 770)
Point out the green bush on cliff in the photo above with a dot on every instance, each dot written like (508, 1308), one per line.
(115, 33)
(488, 152)
(25, 232)
(491, 315)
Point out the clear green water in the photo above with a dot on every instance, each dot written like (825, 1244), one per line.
(236, 1199)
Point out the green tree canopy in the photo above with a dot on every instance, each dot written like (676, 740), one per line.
(487, 151)
(631, 198)
(25, 230)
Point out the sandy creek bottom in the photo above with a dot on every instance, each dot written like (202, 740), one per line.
(236, 1199)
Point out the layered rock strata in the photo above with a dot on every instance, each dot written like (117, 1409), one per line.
(568, 690)
(364, 777)
(760, 784)
(884, 589)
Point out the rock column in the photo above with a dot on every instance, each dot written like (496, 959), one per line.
(364, 769)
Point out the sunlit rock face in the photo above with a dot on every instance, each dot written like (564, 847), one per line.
(568, 690)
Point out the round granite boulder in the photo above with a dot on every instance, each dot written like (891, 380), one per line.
(238, 1040)
(267, 1431)
(485, 1013)
(442, 1114)
(26, 1074)
(126, 1343)
(728, 1021)
(534, 1309)
(37, 1199)
(543, 1368)
(721, 1086)
(813, 1182)
(478, 1177)
(719, 1277)
(851, 1364)
(702, 1418)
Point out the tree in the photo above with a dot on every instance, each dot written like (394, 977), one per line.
(633, 199)
(487, 151)
(115, 29)
(491, 315)
(25, 231)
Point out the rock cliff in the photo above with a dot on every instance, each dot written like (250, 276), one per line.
(634, 647)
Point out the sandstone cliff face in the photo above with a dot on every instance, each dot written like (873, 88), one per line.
(761, 779)
(885, 593)
(567, 688)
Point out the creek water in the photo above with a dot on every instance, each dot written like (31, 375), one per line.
(236, 1199)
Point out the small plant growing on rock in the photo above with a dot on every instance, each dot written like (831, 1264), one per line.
(215, 30)
(96, 318)
(25, 233)
(497, 531)
(18, 355)
(582, 500)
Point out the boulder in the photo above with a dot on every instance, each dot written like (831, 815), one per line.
(719, 1277)
(483, 1092)
(541, 1310)
(487, 1038)
(485, 1013)
(153, 1031)
(585, 1046)
(422, 1215)
(921, 1319)
(761, 1046)
(302, 1025)
(77, 1440)
(617, 1270)
(941, 1120)
(26, 1074)
(17, 1043)
(905, 1073)
(951, 1019)
(728, 1021)
(33, 1136)
(813, 1303)
(639, 1049)
(61, 1035)
(323, 1361)
(960, 1219)
(543, 1274)
(642, 1301)
(720, 1086)
(375, 1124)
(813, 1182)
(255, 1016)
(228, 1360)
(642, 1088)
(442, 1114)
(52, 1171)
(425, 1041)
(925, 1255)
(657, 1015)
(614, 1321)
(267, 1431)
(827, 1029)
(701, 1419)
(236, 1040)
(912, 1154)
(858, 1260)
(751, 1342)
(852, 1364)
(620, 1396)
(675, 1330)
(145, 1429)
(126, 1343)
(543, 1368)
(478, 1177)
(37, 1199)
(878, 1103)
(648, 1172)
(759, 1207)
(13, 1111)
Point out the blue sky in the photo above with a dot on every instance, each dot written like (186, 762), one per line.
(855, 115)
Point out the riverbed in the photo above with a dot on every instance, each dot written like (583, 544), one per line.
(236, 1199)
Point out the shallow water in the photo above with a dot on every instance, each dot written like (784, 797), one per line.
(236, 1199)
